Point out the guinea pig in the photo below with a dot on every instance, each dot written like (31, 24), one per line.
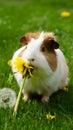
(41, 50)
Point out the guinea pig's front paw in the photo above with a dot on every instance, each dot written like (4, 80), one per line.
(45, 99)
(26, 97)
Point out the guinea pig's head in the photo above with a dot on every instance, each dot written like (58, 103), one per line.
(40, 50)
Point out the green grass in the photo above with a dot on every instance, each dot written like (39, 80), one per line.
(17, 18)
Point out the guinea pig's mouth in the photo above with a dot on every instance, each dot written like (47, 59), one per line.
(33, 68)
(29, 71)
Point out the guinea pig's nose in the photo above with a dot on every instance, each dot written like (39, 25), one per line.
(31, 60)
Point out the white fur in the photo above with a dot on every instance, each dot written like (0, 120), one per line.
(44, 79)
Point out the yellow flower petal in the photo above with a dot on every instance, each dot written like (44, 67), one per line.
(19, 63)
(10, 62)
(47, 116)
(65, 89)
(65, 14)
(50, 117)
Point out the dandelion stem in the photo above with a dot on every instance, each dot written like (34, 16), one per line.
(18, 98)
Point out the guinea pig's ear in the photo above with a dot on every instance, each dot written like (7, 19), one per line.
(53, 44)
(24, 40)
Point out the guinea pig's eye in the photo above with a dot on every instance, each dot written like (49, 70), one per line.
(43, 49)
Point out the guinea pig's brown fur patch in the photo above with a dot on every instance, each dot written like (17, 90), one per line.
(49, 36)
(51, 59)
(27, 37)
(32, 35)
(49, 52)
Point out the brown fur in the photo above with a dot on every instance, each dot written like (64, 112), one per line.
(32, 35)
(49, 36)
(37, 34)
(49, 50)
(52, 60)
(25, 39)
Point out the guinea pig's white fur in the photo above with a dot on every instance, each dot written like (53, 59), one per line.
(45, 81)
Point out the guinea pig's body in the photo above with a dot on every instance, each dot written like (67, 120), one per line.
(51, 70)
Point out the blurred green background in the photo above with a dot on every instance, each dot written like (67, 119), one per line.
(18, 17)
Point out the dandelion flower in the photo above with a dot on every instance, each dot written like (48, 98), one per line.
(7, 98)
(65, 14)
(23, 67)
(50, 117)
(26, 71)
